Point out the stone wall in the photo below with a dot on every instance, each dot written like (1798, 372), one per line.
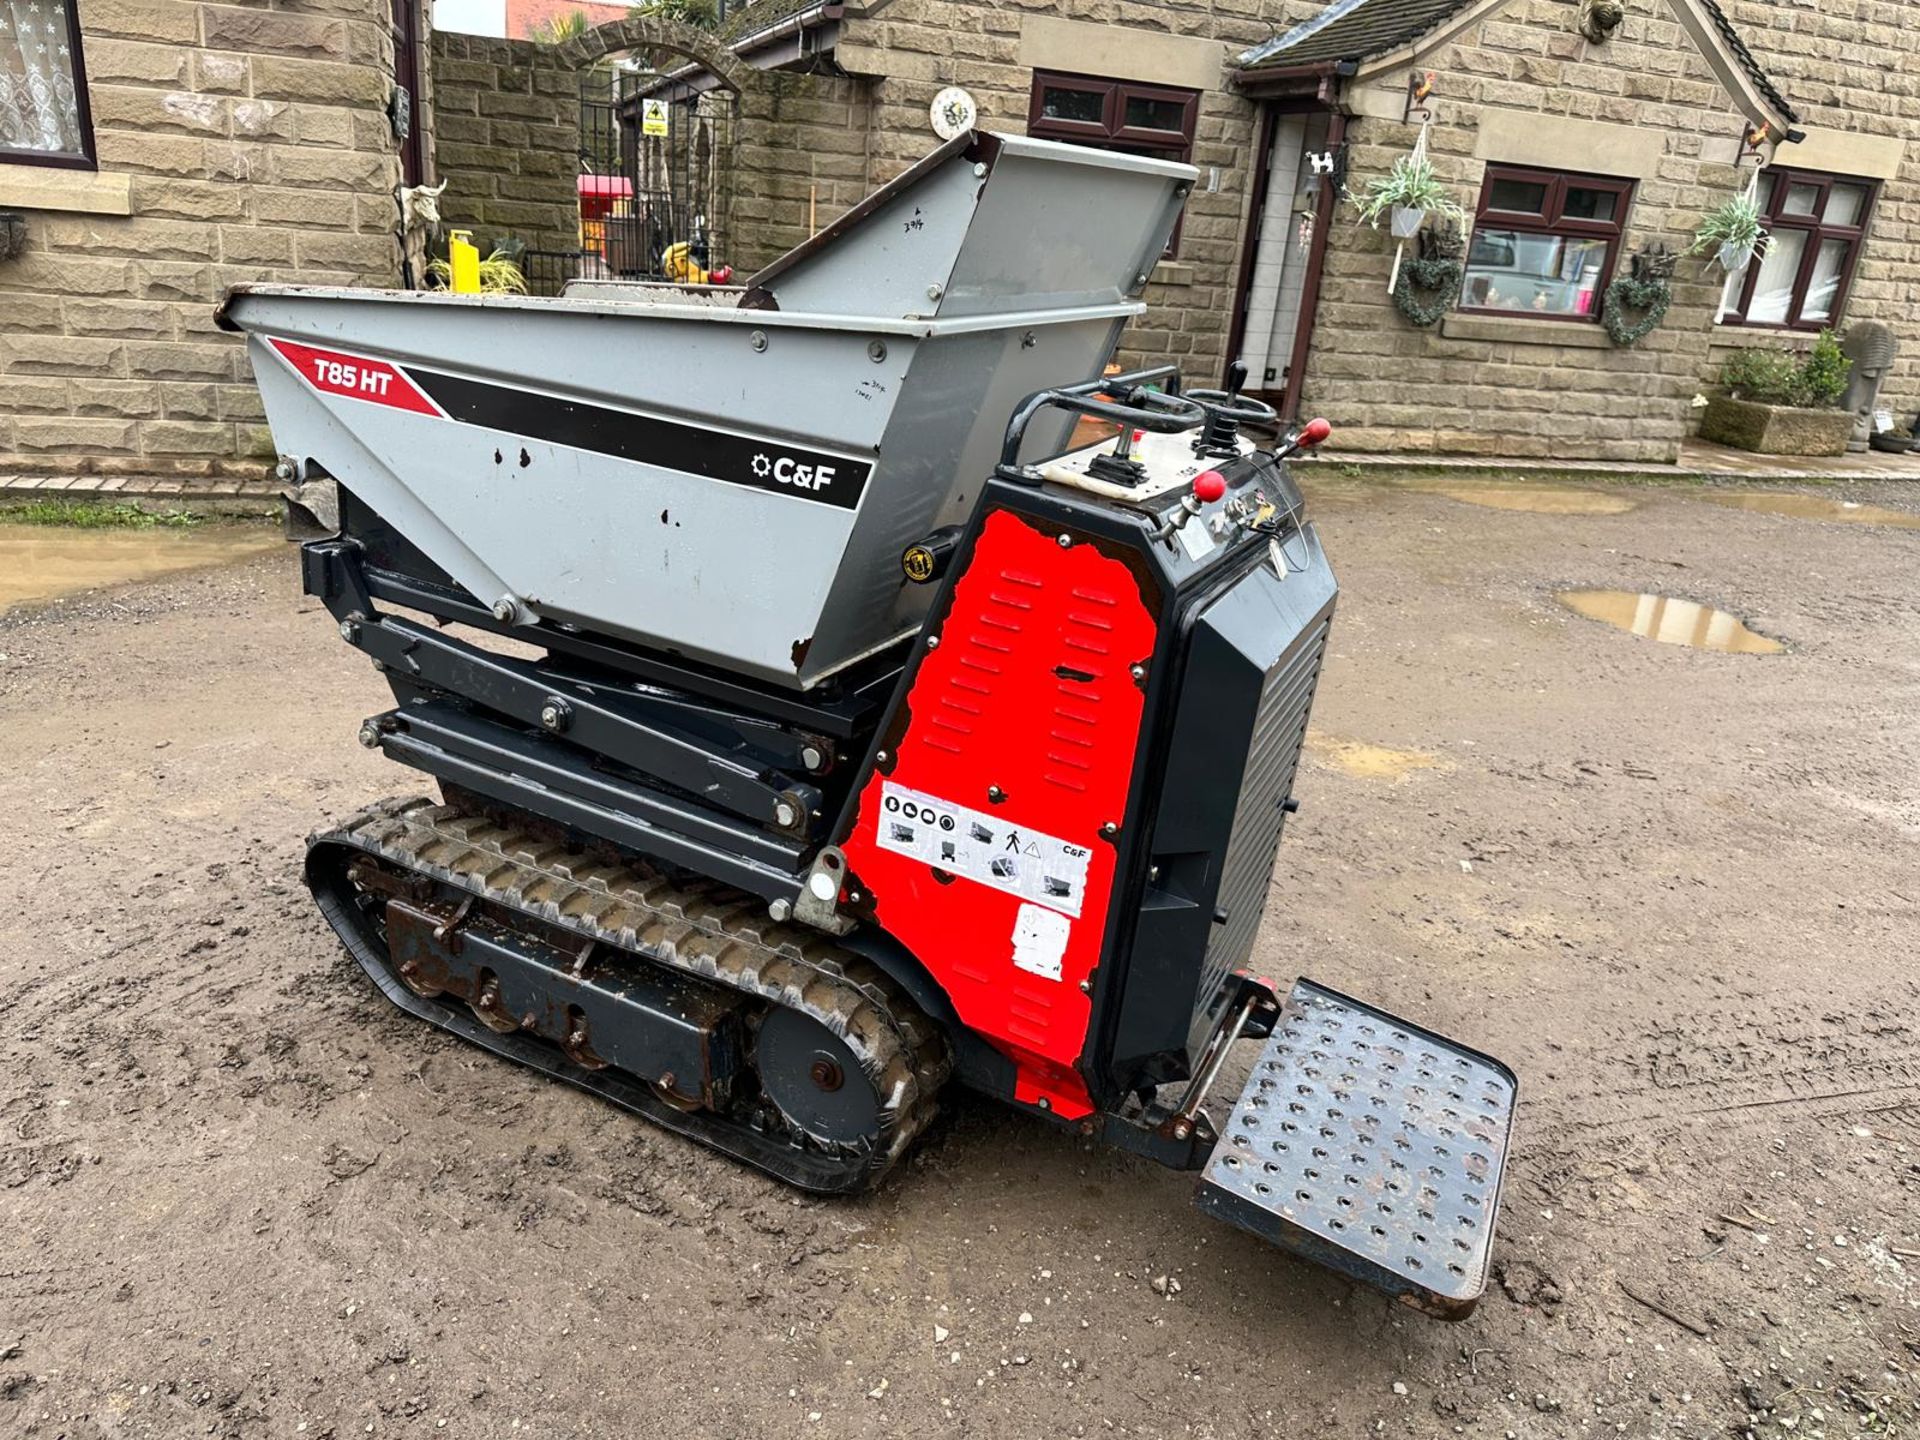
(235, 143)
(1525, 87)
(801, 152)
(913, 48)
(1852, 70)
(506, 123)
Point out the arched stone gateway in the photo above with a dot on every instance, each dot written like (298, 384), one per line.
(659, 110)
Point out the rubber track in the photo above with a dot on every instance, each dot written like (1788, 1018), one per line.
(700, 928)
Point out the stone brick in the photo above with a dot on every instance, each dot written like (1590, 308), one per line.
(182, 361)
(72, 436)
(277, 78)
(187, 199)
(126, 150)
(108, 317)
(174, 21)
(23, 394)
(135, 62)
(129, 399)
(186, 437)
(60, 355)
(273, 32)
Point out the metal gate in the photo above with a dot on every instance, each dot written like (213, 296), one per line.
(656, 172)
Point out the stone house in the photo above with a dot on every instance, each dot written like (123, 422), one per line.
(208, 143)
(1571, 156)
(154, 152)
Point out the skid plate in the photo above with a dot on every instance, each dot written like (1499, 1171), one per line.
(1371, 1146)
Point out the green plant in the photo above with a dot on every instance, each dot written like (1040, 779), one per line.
(1823, 374)
(92, 515)
(498, 274)
(1735, 223)
(1780, 377)
(1411, 183)
(560, 28)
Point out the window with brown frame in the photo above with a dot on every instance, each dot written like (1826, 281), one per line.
(43, 86)
(1545, 243)
(1154, 120)
(1818, 223)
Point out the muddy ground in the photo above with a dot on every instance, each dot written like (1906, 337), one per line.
(1677, 891)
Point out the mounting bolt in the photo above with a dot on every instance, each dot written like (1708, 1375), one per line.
(996, 794)
(1182, 1129)
(369, 734)
(933, 642)
(1086, 987)
(758, 340)
(285, 469)
(854, 897)
(882, 758)
(350, 631)
(934, 292)
(1139, 672)
(1065, 540)
(505, 608)
(784, 814)
(1109, 829)
(813, 757)
(555, 714)
(779, 910)
(1044, 1103)
(980, 170)
(822, 886)
(876, 350)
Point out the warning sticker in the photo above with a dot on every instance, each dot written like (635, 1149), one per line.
(1040, 940)
(981, 846)
(653, 117)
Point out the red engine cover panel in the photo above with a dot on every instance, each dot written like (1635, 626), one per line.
(980, 845)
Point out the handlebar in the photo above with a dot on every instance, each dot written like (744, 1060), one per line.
(1164, 412)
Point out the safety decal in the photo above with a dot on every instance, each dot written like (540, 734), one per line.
(984, 847)
(1040, 940)
(335, 372)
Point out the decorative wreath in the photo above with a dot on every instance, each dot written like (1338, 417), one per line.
(1648, 296)
(1437, 279)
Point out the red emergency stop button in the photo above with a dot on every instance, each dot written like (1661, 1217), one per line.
(1209, 486)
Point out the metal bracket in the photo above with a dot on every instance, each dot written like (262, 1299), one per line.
(818, 904)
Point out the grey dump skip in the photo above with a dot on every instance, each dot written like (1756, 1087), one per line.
(560, 459)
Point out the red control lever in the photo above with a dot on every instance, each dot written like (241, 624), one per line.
(1313, 433)
(1208, 486)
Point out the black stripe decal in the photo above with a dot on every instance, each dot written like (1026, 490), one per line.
(812, 475)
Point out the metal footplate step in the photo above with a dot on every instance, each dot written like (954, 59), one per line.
(1371, 1146)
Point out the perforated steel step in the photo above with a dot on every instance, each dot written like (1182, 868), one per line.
(1371, 1146)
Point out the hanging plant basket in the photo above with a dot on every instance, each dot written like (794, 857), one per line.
(1405, 221)
(1732, 232)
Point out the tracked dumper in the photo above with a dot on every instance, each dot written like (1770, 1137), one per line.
(838, 689)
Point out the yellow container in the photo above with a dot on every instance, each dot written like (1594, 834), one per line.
(463, 258)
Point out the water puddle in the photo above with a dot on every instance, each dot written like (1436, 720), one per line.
(1535, 499)
(1670, 621)
(42, 562)
(1813, 507)
(1368, 762)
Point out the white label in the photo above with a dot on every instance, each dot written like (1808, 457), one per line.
(983, 847)
(1039, 940)
(1883, 420)
(1194, 538)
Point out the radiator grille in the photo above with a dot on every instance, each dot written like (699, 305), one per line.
(1274, 755)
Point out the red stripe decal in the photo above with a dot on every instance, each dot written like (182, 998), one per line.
(334, 372)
